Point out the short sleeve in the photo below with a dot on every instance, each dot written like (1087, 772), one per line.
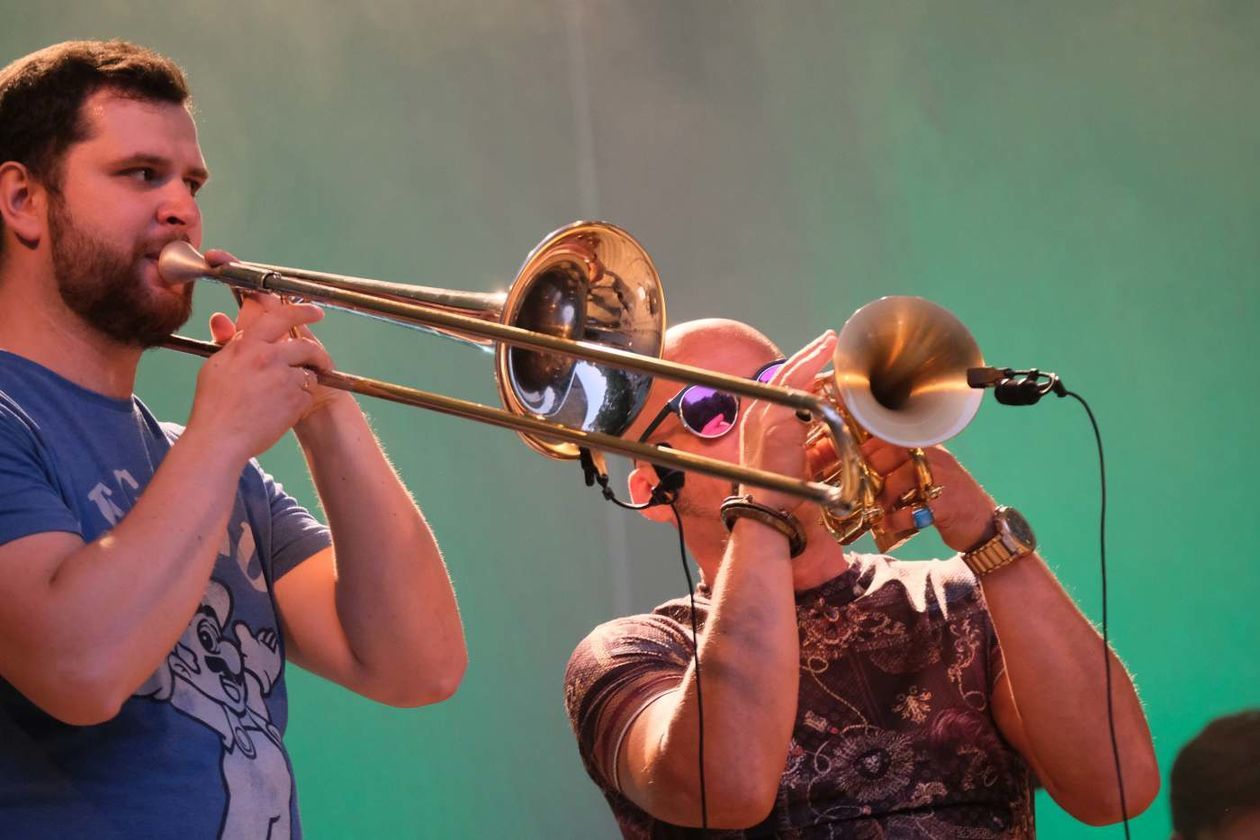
(30, 501)
(296, 535)
(613, 674)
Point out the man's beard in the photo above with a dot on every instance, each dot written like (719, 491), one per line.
(699, 503)
(104, 287)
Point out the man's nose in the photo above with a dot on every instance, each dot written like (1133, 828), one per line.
(178, 207)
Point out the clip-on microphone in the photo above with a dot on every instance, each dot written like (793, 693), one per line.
(665, 492)
(1011, 391)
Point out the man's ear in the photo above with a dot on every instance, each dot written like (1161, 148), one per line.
(642, 482)
(23, 202)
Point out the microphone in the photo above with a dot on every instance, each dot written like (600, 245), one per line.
(1016, 387)
(666, 490)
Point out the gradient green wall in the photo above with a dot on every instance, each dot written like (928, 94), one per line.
(1078, 181)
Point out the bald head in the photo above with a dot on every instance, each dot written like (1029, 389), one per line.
(716, 344)
(717, 339)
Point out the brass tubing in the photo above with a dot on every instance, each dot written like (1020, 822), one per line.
(247, 276)
(822, 494)
(488, 304)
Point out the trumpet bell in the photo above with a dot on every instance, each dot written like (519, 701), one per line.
(901, 370)
(588, 281)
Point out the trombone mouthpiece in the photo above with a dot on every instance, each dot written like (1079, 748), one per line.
(180, 262)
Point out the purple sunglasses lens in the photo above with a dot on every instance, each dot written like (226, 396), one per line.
(767, 373)
(707, 412)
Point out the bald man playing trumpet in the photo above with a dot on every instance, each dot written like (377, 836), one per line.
(844, 695)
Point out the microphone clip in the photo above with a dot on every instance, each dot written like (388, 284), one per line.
(664, 493)
(1016, 387)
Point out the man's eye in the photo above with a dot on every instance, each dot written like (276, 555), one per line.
(194, 187)
(146, 174)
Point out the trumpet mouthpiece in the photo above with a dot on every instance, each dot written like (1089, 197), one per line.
(180, 262)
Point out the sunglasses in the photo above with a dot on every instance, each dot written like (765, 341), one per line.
(707, 412)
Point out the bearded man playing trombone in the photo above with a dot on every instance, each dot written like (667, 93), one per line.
(842, 695)
(153, 578)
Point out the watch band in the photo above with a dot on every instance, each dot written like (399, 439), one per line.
(991, 556)
(1014, 539)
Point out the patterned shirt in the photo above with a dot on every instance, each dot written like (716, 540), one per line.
(894, 734)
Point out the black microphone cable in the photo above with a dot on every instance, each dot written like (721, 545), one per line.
(665, 493)
(1102, 550)
(1034, 385)
(695, 647)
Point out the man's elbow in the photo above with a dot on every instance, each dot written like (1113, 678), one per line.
(1107, 807)
(440, 687)
(84, 713)
(735, 800)
(78, 699)
(745, 799)
(742, 812)
(424, 689)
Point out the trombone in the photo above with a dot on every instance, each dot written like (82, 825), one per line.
(577, 339)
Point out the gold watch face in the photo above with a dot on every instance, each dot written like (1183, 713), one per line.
(1018, 528)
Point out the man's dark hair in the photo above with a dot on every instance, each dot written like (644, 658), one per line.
(1216, 776)
(42, 95)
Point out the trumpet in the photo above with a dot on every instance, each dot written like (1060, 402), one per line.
(899, 373)
(577, 340)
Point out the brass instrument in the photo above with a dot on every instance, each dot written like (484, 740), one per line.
(900, 374)
(577, 340)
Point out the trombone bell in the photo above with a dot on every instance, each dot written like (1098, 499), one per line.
(589, 281)
(586, 282)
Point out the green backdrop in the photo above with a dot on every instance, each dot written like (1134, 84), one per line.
(1076, 180)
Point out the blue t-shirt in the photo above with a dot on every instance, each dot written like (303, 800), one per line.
(197, 751)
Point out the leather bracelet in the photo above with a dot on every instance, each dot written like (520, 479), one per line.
(736, 507)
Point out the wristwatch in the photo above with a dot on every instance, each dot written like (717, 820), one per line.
(1014, 539)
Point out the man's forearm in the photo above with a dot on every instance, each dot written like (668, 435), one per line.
(1055, 666)
(394, 598)
(111, 610)
(749, 675)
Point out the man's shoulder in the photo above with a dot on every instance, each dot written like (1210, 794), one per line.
(12, 410)
(20, 426)
(663, 633)
(623, 662)
(629, 628)
(12, 413)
